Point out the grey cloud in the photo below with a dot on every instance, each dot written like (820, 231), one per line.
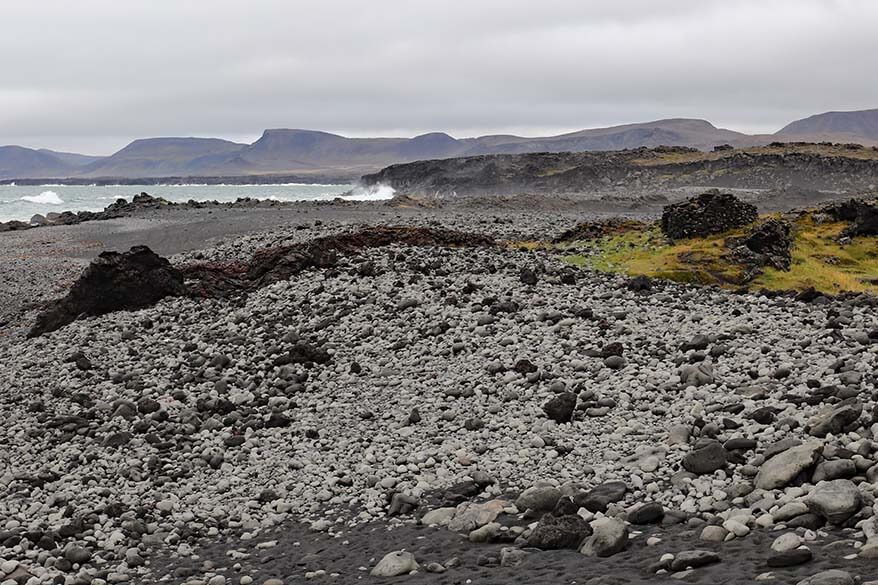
(93, 74)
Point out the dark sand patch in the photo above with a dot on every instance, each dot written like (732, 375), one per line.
(352, 553)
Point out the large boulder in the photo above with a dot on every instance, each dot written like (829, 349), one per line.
(114, 281)
(706, 459)
(862, 215)
(837, 418)
(865, 223)
(560, 408)
(600, 497)
(539, 498)
(559, 532)
(782, 468)
(609, 537)
(471, 515)
(709, 213)
(394, 564)
(835, 500)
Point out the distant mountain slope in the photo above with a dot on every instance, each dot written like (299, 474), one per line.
(20, 162)
(314, 153)
(857, 124)
(699, 134)
(71, 158)
(290, 150)
(157, 157)
(294, 150)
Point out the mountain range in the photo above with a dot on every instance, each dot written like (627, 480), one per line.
(314, 153)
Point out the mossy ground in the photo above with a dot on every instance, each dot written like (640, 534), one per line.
(818, 259)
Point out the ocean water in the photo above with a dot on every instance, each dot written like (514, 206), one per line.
(23, 202)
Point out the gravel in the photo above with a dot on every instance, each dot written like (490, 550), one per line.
(201, 419)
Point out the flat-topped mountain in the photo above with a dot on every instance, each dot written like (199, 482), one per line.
(314, 153)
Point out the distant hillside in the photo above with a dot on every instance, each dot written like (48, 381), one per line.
(856, 125)
(157, 157)
(699, 134)
(321, 154)
(17, 161)
(71, 158)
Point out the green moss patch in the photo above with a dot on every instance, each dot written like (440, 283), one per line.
(818, 259)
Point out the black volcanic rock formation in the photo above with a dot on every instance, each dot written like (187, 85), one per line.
(709, 213)
(861, 214)
(769, 244)
(112, 282)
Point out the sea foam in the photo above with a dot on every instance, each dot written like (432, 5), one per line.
(371, 193)
(44, 198)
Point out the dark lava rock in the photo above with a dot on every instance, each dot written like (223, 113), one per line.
(639, 283)
(560, 408)
(843, 417)
(650, 513)
(709, 213)
(600, 497)
(705, 460)
(808, 521)
(769, 244)
(790, 558)
(112, 282)
(559, 532)
(698, 342)
(460, 492)
(693, 559)
(528, 276)
(740, 444)
(862, 215)
(525, 367)
(865, 223)
(77, 554)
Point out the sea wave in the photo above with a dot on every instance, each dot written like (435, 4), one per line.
(378, 192)
(44, 198)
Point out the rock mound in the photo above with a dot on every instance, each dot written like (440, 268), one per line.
(861, 214)
(140, 278)
(709, 213)
(769, 244)
(114, 281)
(271, 265)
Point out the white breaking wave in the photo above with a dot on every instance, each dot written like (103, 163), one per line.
(44, 198)
(371, 193)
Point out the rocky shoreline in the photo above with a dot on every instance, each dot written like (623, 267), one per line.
(552, 424)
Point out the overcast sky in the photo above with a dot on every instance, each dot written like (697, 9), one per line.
(91, 75)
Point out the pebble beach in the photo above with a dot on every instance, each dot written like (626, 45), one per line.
(430, 414)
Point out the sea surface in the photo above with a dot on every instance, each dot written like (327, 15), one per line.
(23, 202)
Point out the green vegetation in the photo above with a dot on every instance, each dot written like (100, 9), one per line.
(818, 259)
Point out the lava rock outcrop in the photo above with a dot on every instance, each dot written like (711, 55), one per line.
(709, 213)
